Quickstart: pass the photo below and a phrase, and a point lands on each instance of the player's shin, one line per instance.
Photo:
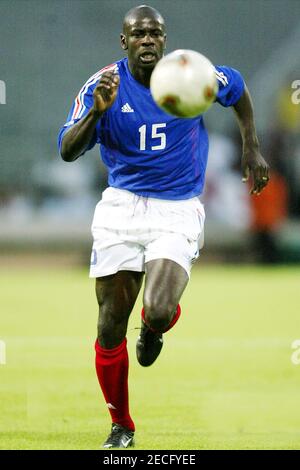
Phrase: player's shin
(112, 372)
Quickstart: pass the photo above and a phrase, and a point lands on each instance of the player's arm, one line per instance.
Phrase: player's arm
(253, 164)
(77, 139)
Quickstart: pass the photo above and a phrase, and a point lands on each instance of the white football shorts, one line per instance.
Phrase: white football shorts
(130, 230)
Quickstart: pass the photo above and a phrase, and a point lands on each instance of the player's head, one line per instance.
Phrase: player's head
(143, 36)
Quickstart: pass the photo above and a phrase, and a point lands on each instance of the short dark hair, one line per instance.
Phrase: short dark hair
(142, 11)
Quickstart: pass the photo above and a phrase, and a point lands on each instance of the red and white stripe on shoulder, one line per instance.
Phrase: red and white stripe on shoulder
(79, 105)
(221, 77)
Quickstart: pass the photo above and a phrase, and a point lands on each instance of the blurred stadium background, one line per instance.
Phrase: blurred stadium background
(48, 50)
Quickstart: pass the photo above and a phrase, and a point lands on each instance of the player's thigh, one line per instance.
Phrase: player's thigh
(165, 281)
(117, 293)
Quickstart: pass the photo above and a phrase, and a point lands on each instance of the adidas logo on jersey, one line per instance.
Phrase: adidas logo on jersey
(127, 108)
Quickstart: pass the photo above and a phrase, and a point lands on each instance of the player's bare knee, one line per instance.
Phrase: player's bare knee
(158, 316)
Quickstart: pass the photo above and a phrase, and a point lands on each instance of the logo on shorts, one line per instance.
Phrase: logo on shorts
(94, 257)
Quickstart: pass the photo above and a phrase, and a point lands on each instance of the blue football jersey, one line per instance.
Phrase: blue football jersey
(145, 150)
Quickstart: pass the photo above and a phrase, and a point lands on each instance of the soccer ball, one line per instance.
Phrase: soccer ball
(184, 83)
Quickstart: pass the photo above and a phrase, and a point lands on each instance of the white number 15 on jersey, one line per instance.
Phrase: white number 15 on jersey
(154, 135)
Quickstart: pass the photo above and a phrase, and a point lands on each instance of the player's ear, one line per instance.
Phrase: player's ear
(165, 41)
(123, 42)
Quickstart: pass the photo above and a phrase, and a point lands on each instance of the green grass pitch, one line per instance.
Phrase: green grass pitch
(224, 379)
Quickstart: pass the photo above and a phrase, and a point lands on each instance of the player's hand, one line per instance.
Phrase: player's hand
(106, 91)
(255, 167)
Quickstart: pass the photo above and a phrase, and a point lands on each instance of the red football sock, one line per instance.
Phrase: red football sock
(112, 372)
(171, 324)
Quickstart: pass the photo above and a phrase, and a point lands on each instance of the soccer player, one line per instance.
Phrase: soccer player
(150, 219)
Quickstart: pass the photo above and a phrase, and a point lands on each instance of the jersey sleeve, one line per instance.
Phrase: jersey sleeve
(81, 106)
(231, 85)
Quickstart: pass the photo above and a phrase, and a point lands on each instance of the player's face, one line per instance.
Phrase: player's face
(145, 40)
